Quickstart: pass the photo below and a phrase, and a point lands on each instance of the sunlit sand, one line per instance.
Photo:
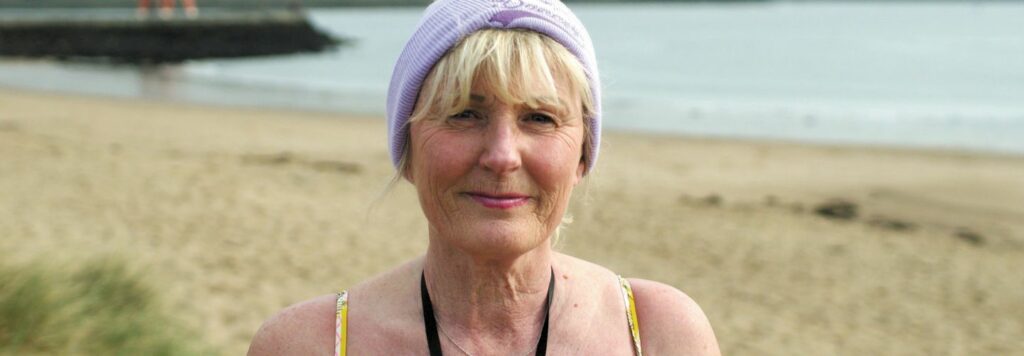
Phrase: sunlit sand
(236, 213)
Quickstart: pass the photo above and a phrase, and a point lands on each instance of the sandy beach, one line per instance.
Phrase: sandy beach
(235, 213)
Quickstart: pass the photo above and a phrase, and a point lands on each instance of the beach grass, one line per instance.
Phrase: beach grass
(100, 307)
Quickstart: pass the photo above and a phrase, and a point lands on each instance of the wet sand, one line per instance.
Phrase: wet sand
(790, 249)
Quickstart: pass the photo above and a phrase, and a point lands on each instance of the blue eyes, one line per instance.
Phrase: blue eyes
(532, 118)
(539, 118)
(466, 114)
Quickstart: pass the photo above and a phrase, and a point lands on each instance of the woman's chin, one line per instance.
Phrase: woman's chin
(504, 239)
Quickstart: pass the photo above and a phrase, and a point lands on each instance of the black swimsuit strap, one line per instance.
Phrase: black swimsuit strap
(430, 322)
(542, 343)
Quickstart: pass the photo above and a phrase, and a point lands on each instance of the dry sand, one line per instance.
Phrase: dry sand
(237, 213)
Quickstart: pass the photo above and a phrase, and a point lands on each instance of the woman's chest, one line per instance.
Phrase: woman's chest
(572, 335)
(591, 333)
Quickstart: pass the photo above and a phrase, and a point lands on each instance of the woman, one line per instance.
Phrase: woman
(494, 117)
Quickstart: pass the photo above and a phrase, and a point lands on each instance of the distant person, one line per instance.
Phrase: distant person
(167, 8)
(494, 116)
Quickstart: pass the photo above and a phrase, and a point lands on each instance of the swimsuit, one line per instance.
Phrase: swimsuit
(341, 319)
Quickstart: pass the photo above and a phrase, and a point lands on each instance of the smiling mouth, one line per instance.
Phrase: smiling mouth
(504, 201)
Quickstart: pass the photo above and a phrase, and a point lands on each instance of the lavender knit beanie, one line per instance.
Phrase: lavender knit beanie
(446, 22)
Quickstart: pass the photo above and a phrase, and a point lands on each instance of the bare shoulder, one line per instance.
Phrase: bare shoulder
(671, 323)
(306, 328)
(381, 311)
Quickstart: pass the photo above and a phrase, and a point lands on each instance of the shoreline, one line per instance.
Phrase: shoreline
(637, 132)
(236, 213)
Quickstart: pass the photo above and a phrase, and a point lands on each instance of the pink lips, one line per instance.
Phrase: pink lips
(499, 201)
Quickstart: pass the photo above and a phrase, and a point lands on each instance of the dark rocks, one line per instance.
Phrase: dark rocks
(712, 200)
(270, 160)
(837, 209)
(969, 236)
(163, 41)
(287, 158)
(891, 224)
(337, 166)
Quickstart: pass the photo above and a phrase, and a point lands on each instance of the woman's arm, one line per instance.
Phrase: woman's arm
(671, 323)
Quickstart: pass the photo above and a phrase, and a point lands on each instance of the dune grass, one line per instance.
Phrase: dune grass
(97, 308)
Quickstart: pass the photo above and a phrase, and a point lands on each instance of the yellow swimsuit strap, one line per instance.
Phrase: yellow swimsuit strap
(341, 324)
(634, 324)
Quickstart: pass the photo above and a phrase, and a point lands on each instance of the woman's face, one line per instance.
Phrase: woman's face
(497, 178)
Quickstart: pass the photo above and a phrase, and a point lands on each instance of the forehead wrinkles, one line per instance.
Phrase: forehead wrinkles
(546, 102)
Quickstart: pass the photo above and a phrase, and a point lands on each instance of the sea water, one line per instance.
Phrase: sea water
(943, 74)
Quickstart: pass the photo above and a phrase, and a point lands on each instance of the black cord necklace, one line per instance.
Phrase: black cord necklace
(430, 323)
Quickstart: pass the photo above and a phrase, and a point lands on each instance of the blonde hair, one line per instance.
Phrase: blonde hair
(510, 63)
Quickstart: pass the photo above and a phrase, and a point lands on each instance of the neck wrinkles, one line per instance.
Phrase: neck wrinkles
(486, 302)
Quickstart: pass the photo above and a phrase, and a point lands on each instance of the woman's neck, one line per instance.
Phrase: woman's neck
(501, 300)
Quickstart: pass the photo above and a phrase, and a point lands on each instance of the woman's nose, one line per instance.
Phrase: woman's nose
(501, 146)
